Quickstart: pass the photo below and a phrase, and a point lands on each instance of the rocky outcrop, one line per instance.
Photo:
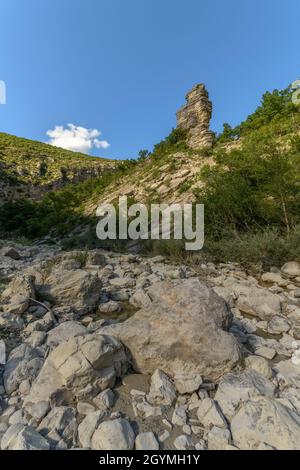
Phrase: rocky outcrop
(195, 117)
(182, 332)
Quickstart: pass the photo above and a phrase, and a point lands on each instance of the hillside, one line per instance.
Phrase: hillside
(30, 168)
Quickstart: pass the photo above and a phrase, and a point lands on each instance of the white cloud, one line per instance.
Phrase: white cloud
(76, 138)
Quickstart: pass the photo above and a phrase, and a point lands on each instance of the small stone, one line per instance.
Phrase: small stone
(17, 418)
(260, 365)
(105, 400)
(179, 417)
(164, 436)
(278, 325)
(110, 307)
(187, 430)
(167, 423)
(203, 394)
(114, 435)
(200, 445)
(187, 383)
(146, 441)
(267, 353)
(24, 387)
(10, 252)
(210, 414)
(197, 429)
(183, 442)
(87, 428)
(218, 438)
(84, 408)
(162, 389)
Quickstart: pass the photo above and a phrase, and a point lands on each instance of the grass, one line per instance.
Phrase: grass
(269, 247)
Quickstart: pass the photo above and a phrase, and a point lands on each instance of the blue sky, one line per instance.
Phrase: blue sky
(124, 66)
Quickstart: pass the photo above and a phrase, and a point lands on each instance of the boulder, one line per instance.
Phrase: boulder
(65, 331)
(60, 420)
(20, 437)
(24, 362)
(274, 278)
(256, 301)
(78, 289)
(114, 435)
(88, 426)
(81, 368)
(183, 332)
(262, 420)
(237, 388)
(17, 296)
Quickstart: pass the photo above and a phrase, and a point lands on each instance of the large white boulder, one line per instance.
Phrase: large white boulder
(184, 331)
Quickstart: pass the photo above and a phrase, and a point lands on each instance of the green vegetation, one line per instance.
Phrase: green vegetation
(58, 212)
(26, 161)
(174, 142)
(276, 107)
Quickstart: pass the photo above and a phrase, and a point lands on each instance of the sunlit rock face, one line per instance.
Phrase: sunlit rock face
(195, 117)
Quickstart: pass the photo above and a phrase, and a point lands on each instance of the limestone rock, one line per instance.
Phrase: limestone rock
(209, 414)
(18, 294)
(23, 363)
(288, 373)
(27, 439)
(62, 420)
(218, 438)
(88, 426)
(105, 400)
(187, 383)
(235, 389)
(260, 365)
(65, 331)
(195, 117)
(80, 367)
(183, 442)
(78, 289)
(146, 441)
(10, 322)
(182, 332)
(262, 420)
(291, 269)
(113, 435)
(257, 301)
(162, 390)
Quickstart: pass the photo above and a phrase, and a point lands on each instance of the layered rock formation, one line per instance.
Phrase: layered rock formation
(195, 117)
